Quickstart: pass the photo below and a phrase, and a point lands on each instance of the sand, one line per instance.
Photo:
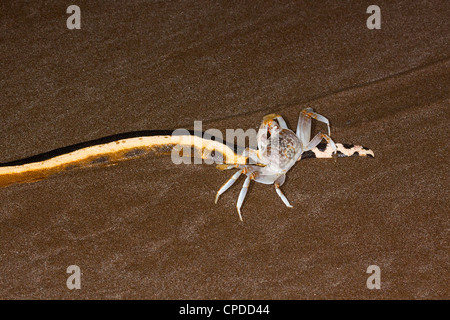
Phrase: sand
(149, 229)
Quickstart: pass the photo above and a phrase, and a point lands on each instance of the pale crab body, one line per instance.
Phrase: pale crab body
(276, 153)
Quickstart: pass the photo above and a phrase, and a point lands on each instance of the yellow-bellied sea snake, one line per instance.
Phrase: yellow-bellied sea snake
(132, 145)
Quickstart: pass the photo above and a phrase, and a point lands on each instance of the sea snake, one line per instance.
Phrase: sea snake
(131, 145)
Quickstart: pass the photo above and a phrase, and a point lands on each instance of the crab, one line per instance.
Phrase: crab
(279, 148)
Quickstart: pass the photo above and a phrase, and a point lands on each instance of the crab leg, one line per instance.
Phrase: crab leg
(317, 139)
(242, 195)
(229, 183)
(282, 196)
(267, 120)
(252, 155)
(281, 122)
(226, 166)
(304, 124)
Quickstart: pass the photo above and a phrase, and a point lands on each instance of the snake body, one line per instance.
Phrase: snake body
(109, 150)
(112, 149)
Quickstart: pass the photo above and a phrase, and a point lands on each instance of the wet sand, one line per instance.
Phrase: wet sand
(149, 229)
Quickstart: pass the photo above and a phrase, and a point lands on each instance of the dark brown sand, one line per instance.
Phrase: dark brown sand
(150, 229)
